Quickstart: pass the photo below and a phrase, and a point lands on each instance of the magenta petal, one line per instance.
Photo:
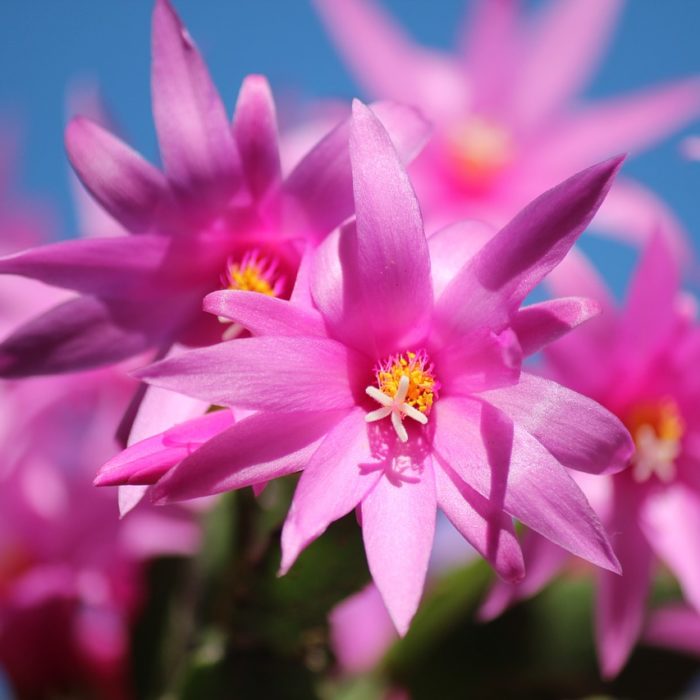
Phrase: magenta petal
(486, 528)
(256, 449)
(265, 315)
(543, 559)
(398, 526)
(515, 472)
(540, 324)
(122, 266)
(674, 627)
(319, 189)
(621, 602)
(79, 334)
(255, 131)
(196, 143)
(126, 185)
(496, 280)
(332, 484)
(266, 373)
(580, 433)
(392, 251)
(671, 524)
(563, 49)
(146, 461)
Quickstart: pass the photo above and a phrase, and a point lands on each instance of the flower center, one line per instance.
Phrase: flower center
(657, 429)
(479, 149)
(406, 387)
(253, 272)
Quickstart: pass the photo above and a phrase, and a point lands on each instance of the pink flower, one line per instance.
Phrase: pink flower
(674, 627)
(219, 214)
(505, 108)
(385, 384)
(641, 363)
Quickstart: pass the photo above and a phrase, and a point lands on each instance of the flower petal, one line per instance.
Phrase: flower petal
(125, 184)
(332, 484)
(491, 286)
(196, 144)
(265, 315)
(515, 472)
(540, 324)
(487, 529)
(580, 433)
(674, 627)
(255, 131)
(398, 525)
(266, 373)
(256, 449)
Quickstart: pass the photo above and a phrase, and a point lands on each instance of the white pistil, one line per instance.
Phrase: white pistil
(395, 407)
(654, 456)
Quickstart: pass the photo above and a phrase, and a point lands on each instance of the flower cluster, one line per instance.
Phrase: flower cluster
(363, 318)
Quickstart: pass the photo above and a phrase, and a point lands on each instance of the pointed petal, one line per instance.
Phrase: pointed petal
(332, 484)
(487, 529)
(79, 334)
(509, 467)
(563, 49)
(496, 280)
(125, 184)
(540, 324)
(265, 315)
(621, 602)
(146, 461)
(671, 522)
(580, 433)
(196, 144)
(255, 131)
(398, 526)
(266, 373)
(392, 251)
(319, 189)
(123, 266)
(256, 449)
(129, 497)
(388, 63)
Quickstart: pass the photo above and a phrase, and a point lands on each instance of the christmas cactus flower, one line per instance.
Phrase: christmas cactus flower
(390, 385)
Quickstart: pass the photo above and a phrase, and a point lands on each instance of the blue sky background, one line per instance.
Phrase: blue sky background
(46, 46)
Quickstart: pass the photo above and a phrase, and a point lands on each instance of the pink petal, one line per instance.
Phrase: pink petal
(563, 49)
(671, 524)
(622, 599)
(265, 315)
(332, 484)
(79, 334)
(578, 432)
(196, 143)
(256, 449)
(543, 559)
(515, 472)
(540, 324)
(398, 525)
(388, 63)
(319, 189)
(126, 185)
(361, 631)
(486, 528)
(146, 461)
(255, 132)
(266, 373)
(674, 627)
(496, 280)
(392, 252)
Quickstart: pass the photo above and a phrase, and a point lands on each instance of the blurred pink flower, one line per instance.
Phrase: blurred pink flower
(641, 363)
(219, 215)
(391, 401)
(674, 627)
(505, 107)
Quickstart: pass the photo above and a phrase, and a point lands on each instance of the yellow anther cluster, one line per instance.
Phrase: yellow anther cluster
(423, 387)
(249, 278)
(662, 416)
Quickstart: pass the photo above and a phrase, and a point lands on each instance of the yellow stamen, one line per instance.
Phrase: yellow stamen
(422, 387)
